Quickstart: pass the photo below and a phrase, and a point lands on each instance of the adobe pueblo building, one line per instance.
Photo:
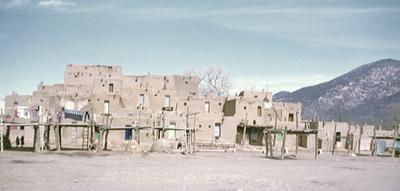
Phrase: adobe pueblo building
(100, 105)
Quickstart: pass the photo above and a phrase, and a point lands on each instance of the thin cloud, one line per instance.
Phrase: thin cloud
(88, 9)
(278, 83)
(14, 3)
(173, 12)
(56, 4)
(342, 27)
(321, 27)
(322, 37)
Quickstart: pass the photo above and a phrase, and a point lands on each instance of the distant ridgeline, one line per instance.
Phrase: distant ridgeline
(369, 93)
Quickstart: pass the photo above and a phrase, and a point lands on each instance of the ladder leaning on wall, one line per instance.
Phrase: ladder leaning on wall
(85, 138)
(1, 135)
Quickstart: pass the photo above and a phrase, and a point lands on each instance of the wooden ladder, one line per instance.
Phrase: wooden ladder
(1, 139)
(85, 139)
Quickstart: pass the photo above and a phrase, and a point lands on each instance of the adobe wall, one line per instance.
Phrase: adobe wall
(90, 86)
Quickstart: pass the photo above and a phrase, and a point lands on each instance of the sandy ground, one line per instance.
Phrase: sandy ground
(73, 170)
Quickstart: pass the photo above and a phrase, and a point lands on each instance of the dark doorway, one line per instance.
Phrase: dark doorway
(128, 134)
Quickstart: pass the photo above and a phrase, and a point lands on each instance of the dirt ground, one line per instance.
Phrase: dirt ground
(73, 170)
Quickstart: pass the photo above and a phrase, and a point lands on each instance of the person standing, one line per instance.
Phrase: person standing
(17, 141)
(22, 141)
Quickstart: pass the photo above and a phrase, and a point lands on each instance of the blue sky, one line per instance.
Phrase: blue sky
(285, 44)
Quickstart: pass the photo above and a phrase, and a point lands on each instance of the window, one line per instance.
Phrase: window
(291, 117)
(128, 134)
(259, 111)
(267, 104)
(207, 107)
(217, 130)
(167, 101)
(338, 136)
(141, 99)
(111, 88)
(106, 106)
(253, 135)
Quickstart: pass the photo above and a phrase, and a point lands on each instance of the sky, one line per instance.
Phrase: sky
(271, 45)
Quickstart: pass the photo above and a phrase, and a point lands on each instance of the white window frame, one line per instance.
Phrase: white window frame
(207, 107)
(219, 126)
(167, 101)
(141, 99)
(106, 106)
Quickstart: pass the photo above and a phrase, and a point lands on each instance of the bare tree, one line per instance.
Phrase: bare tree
(213, 81)
(192, 71)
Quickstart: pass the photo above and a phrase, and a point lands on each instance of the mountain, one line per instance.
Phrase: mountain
(369, 93)
(281, 94)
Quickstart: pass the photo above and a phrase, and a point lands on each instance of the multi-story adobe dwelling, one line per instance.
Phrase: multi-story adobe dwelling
(250, 112)
(169, 101)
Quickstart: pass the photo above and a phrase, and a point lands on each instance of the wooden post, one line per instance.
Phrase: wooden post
(108, 123)
(163, 125)
(188, 141)
(105, 140)
(57, 136)
(34, 138)
(397, 133)
(194, 128)
(271, 146)
(373, 145)
(194, 141)
(244, 130)
(100, 149)
(276, 123)
(334, 140)
(394, 140)
(192, 134)
(266, 144)
(186, 130)
(92, 132)
(138, 135)
(37, 139)
(1, 135)
(191, 141)
(283, 143)
(297, 145)
(352, 143)
(47, 137)
(359, 139)
(349, 142)
(316, 146)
